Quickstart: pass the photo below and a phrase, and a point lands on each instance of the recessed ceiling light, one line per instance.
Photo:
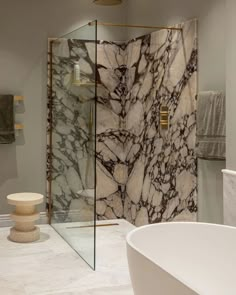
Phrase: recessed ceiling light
(107, 2)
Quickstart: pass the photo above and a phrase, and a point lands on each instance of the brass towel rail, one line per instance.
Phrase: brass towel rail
(18, 98)
(19, 126)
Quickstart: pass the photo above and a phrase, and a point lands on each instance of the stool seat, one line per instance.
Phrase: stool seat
(24, 216)
(25, 199)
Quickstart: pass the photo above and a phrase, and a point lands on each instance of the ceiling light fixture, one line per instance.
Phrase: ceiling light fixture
(107, 2)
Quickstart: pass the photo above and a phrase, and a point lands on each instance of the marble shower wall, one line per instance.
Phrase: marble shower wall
(146, 174)
(73, 131)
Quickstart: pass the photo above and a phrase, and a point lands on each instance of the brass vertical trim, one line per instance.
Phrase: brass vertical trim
(95, 144)
(50, 104)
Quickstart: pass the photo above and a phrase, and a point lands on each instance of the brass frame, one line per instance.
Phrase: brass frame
(135, 26)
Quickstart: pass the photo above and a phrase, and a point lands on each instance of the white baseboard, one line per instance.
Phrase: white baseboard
(73, 216)
(5, 219)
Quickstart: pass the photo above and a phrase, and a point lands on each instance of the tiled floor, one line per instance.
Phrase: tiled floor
(51, 267)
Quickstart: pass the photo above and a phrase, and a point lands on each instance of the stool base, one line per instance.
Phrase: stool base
(24, 237)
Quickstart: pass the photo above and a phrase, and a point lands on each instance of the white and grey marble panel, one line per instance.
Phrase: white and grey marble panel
(144, 174)
(73, 130)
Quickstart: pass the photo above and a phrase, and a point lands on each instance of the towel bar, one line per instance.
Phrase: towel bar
(18, 98)
(19, 126)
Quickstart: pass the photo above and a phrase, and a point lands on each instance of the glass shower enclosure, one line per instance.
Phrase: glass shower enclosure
(71, 138)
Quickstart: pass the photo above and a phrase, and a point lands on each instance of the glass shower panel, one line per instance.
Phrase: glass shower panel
(72, 139)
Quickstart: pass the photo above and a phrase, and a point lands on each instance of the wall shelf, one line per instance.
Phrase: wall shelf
(86, 84)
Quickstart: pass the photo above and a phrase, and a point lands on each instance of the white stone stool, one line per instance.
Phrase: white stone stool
(25, 216)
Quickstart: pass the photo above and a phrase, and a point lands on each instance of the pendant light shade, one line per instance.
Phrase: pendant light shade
(107, 2)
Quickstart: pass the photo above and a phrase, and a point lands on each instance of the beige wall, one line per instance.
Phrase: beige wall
(25, 26)
(211, 17)
(231, 83)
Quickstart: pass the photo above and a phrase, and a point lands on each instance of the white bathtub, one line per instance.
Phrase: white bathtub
(182, 259)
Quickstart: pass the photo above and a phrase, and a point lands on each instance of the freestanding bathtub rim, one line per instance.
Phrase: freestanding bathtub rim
(172, 273)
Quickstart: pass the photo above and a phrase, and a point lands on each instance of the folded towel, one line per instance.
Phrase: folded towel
(7, 130)
(211, 125)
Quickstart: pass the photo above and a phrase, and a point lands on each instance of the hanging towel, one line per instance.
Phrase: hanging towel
(7, 130)
(211, 125)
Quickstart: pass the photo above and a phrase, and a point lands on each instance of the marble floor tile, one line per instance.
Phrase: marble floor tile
(51, 267)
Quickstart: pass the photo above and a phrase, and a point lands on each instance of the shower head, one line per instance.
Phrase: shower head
(107, 2)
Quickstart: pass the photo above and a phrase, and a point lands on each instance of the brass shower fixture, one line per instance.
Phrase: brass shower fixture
(164, 117)
(107, 2)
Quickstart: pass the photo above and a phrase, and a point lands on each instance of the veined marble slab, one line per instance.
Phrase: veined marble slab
(144, 173)
(73, 129)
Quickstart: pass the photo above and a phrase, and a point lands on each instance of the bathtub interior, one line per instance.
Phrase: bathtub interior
(201, 256)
